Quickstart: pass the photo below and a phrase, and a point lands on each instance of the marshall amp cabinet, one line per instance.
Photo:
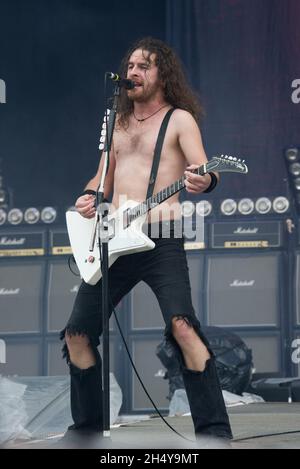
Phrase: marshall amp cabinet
(244, 293)
(21, 295)
(22, 243)
(243, 290)
(247, 235)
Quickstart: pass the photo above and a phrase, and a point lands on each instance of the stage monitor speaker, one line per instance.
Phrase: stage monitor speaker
(266, 351)
(243, 290)
(143, 351)
(23, 358)
(144, 307)
(21, 295)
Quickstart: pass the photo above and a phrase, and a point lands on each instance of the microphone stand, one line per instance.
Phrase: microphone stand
(104, 234)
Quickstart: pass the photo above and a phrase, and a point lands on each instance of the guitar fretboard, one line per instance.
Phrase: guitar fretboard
(160, 197)
(220, 164)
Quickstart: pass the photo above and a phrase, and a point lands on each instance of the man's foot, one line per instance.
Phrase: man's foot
(79, 438)
(212, 442)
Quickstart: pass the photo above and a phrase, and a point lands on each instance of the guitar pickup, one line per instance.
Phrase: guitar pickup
(126, 218)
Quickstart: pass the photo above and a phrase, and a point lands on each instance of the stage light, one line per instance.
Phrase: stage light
(295, 169)
(292, 154)
(31, 215)
(204, 208)
(15, 216)
(246, 206)
(3, 216)
(2, 197)
(187, 208)
(263, 205)
(297, 184)
(281, 205)
(228, 207)
(48, 215)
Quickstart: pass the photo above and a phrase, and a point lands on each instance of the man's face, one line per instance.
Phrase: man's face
(143, 71)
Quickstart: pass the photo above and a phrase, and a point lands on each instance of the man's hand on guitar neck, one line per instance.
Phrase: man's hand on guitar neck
(85, 205)
(194, 183)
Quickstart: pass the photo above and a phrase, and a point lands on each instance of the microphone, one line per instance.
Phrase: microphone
(124, 82)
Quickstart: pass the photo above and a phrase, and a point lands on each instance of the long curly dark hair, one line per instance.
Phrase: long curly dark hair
(177, 92)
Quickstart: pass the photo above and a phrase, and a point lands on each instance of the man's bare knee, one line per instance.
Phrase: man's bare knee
(80, 350)
(77, 342)
(182, 330)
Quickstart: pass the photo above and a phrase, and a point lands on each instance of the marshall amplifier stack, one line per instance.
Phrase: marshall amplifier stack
(245, 287)
(22, 281)
(238, 277)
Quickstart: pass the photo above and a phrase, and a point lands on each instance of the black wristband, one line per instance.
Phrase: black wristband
(214, 182)
(88, 192)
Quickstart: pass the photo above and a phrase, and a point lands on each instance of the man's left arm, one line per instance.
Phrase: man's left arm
(191, 144)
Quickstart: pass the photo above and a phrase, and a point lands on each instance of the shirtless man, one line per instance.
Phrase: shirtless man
(159, 87)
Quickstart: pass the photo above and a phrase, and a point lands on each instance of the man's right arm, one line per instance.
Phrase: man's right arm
(85, 204)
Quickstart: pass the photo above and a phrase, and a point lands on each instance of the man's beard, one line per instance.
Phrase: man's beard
(146, 96)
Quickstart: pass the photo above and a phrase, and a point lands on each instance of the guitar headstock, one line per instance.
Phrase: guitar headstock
(103, 131)
(226, 163)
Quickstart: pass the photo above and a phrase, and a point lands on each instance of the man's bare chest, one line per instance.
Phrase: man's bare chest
(140, 142)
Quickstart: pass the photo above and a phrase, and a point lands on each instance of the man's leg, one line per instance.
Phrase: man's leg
(81, 336)
(86, 383)
(166, 272)
(201, 381)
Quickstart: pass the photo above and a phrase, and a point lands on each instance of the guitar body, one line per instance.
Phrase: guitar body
(125, 240)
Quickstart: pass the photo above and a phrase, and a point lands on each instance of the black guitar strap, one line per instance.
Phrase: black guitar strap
(157, 152)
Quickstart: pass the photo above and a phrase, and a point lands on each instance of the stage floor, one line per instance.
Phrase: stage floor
(255, 426)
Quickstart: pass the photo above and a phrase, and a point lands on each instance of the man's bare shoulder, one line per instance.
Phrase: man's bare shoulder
(183, 119)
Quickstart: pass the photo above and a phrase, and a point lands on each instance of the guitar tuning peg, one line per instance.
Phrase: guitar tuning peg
(101, 146)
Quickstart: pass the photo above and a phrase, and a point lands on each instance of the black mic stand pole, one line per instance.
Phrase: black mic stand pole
(104, 234)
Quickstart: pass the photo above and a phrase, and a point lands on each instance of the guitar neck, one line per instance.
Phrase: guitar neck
(162, 196)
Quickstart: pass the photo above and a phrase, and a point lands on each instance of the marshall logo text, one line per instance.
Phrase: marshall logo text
(5, 241)
(243, 283)
(9, 291)
(246, 231)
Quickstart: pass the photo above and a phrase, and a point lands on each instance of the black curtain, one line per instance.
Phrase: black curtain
(242, 57)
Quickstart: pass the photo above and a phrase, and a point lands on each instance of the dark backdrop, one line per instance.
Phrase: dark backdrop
(53, 55)
(240, 55)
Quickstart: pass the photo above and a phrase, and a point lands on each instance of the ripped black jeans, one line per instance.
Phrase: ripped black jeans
(165, 270)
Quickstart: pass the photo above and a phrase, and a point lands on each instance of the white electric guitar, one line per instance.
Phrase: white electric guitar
(125, 224)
